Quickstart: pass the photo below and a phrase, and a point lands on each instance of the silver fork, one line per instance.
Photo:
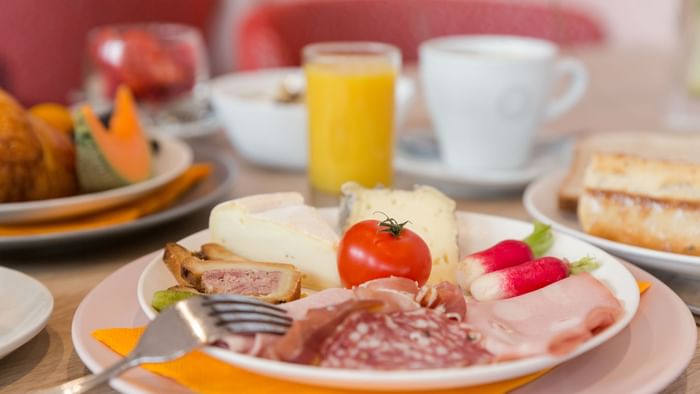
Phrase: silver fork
(185, 326)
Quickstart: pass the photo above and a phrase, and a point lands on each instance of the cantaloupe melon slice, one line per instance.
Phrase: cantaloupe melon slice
(120, 156)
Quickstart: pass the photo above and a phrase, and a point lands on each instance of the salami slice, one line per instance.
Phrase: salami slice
(417, 339)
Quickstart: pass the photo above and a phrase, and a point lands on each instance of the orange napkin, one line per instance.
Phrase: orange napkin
(151, 203)
(643, 286)
(207, 375)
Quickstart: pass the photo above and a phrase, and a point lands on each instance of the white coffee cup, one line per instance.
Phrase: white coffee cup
(487, 96)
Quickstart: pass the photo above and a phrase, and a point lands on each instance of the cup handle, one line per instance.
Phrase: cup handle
(577, 87)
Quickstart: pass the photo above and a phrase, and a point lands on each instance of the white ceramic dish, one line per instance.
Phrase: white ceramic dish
(476, 232)
(209, 191)
(540, 200)
(662, 327)
(172, 159)
(271, 133)
(25, 308)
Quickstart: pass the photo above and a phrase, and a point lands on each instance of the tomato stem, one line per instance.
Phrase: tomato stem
(391, 225)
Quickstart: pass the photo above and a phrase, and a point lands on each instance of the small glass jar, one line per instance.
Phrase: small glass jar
(164, 64)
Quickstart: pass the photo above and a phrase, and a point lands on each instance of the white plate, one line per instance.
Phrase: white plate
(205, 193)
(172, 159)
(662, 327)
(540, 200)
(417, 156)
(25, 308)
(476, 232)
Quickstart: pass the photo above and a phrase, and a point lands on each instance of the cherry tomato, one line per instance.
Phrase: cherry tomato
(372, 249)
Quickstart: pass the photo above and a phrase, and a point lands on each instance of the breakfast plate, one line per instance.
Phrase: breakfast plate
(540, 200)
(171, 159)
(417, 157)
(476, 232)
(203, 194)
(622, 364)
(25, 308)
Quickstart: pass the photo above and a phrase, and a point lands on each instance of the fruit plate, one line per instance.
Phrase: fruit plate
(171, 159)
(540, 200)
(204, 194)
(476, 232)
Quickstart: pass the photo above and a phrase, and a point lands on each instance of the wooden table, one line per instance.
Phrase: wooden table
(627, 90)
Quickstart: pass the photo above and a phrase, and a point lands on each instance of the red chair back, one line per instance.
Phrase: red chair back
(41, 42)
(272, 35)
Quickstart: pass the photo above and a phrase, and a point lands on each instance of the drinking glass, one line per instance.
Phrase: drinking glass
(164, 65)
(350, 104)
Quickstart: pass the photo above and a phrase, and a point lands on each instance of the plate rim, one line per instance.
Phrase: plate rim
(129, 384)
(129, 192)
(616, 247)
(530, 364)
(36, 325)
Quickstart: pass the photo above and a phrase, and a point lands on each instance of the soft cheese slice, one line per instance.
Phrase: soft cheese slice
(430, 213)
(280, 228)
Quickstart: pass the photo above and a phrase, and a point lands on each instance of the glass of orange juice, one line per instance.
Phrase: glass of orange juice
(350, 106)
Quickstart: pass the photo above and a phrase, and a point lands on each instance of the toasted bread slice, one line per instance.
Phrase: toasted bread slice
(646, 202)
(270, 282)
(652, 145)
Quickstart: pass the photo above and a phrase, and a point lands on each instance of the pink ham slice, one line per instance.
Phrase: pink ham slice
(555, 319)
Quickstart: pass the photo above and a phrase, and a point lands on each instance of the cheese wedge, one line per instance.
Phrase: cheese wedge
(280, 228)
(429, 213)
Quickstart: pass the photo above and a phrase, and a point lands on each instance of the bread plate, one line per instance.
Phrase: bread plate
(476, 231)
(540, 200)
(171, 159)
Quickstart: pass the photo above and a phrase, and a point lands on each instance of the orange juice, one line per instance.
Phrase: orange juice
(351, 123)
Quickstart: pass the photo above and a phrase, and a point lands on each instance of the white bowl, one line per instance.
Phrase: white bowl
(271, 133)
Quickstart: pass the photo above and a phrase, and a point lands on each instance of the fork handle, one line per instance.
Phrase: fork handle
(86, 383)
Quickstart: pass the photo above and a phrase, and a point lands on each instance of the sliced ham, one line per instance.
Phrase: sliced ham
(555, 319)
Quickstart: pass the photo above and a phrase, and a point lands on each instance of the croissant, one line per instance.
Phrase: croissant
(36, 161)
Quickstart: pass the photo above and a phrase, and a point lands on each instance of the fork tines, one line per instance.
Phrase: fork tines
(241, 314)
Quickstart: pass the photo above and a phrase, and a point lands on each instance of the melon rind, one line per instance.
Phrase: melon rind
(94, 171)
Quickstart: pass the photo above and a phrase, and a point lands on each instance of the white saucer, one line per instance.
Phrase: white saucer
(417, 156)
(540, 201)
(24, 310)
(171, 159)
(644, 358)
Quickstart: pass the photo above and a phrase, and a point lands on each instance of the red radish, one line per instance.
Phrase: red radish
(504, 254)
(527, 277)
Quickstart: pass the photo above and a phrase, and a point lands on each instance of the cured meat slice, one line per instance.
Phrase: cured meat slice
(555, 319)
(418, 339)
(451, 298)
(301, 344)
(400, 285)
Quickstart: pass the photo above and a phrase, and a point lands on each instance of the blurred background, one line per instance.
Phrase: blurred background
(41, 52)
